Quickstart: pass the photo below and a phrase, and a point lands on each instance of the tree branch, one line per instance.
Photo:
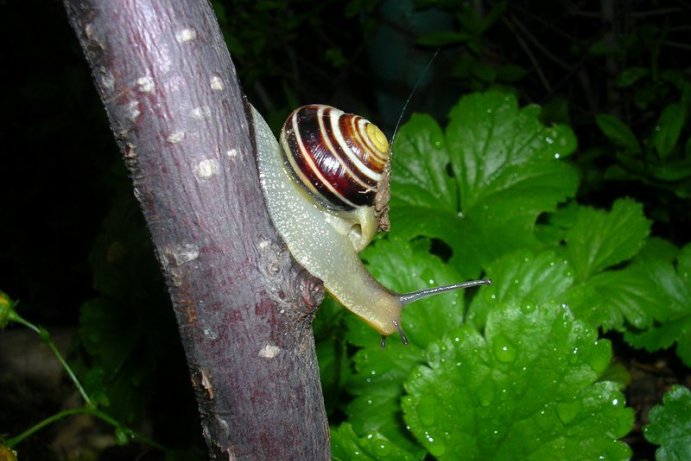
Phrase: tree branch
(243, 307)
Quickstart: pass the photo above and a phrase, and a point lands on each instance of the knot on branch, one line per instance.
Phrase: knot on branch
(310, 290)
(296, 291)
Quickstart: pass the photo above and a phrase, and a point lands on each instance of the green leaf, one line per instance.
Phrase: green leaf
(617, 132)
(504, 163)
(676, 290)
(529, 389)
(668, 129)
(670, 426)
(599, 240)
(637, 295)
(631, 75)
(658, 248)
(676, 330)
(378, 381)
(420, 167)
(346, 446)
(684, 264)
(6, 309)
(496, 11)
(522, 279)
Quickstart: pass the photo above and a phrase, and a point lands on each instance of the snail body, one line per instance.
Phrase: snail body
(319, 185)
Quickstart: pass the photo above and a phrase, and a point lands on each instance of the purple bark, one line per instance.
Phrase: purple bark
(244, 309)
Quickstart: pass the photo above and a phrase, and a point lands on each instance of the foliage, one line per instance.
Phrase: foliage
(90, 406)
(670, 426)
(516, 368)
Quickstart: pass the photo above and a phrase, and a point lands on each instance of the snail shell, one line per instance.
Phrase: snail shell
(338, 158)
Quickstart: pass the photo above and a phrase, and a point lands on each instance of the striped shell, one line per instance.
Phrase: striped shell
(338, 158)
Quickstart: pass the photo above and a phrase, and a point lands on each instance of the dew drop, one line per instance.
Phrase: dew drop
(544, 420)
(504, 351)
(383, 450)
(435, 446)
(527, 308)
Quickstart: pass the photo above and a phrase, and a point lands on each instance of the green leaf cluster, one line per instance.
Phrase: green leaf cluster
(515, 370)
(670, 426)
(660, 157)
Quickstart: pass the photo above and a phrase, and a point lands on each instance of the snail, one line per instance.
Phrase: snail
(319, 185)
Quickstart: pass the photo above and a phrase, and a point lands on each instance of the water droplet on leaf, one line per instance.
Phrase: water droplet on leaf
(504, 351)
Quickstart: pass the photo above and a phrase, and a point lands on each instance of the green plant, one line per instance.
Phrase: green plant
(670, 427)
(9, 314)
(518, 370)
(658, 158)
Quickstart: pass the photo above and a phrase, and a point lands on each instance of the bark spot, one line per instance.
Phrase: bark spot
(232, 153)
(269, 351)
(209, 333)
(145, 84)
(216, 83)
(200, 113)
(177, 255)
(206, 168)
(133, 110)
(175, 137)
(186, 35)
(107, 79)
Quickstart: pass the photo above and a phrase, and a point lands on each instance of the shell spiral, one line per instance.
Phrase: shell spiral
(336, 157)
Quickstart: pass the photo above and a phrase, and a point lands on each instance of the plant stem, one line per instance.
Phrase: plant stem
(89, 407)
(85, 410)
(37, 427)
(45, 336)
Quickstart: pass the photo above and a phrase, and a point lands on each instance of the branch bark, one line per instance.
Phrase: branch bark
(244, 309)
